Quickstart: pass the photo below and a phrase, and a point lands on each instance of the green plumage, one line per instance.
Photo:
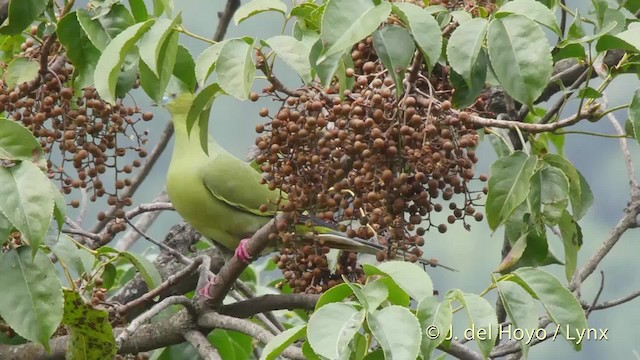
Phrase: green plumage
(220, 195)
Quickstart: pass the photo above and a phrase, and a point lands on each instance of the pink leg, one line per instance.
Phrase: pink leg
(241, 252)
(204, 290)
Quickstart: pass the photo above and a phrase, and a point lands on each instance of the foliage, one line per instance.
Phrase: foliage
(424, 66)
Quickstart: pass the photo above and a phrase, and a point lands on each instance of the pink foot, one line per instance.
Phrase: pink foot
(204, 290)
(242, 253)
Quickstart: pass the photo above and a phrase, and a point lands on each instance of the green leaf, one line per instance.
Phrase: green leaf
(328, 67)
(31, 297)
(17, 143)
(146, 268)
(346, 22)
(520, 56)
(235, 68)
(231, 344)
(21, 14)
(371, 295)
(90, 332)
(254, 7)
(395, 48)
(109, 275)
(113, 57)
(201, 103)
(397, 331)
(397, 295)
(27, 200)
(21, 70)
(335, 294)
(634, 114)
(68, 253)
(508, 186)
(152, 42)
(626, 40)
(514, 254)
(424, 28)
(105, 28)
(410, 277)
(5, 228)
(435, 321)
(183, 69)
(294, 53)
(206, 62)
(482, 319)
(139, 10)
(464, 50)
(155, 87)
(563, 308)
(589, 93)
(533, 10)
(522, 311)
(332, 327)
(572, 240)
(80, 49)
(281, 341)
(162, 6)
(579, 191)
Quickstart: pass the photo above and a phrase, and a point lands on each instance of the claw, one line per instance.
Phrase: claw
(204, 290)
(242, 253)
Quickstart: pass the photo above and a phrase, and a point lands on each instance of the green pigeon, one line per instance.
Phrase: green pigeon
(220, 195)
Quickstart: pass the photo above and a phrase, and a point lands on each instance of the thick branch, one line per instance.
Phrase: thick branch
(248, 308)
(224, 18)
(201, 343)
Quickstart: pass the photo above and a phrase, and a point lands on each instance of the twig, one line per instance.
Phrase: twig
(595, 299)
(84, 202)
(558, 105)
(183, 259)
(248, 294)
(140, 209)
(271, 302)
(155, 310)
(268, 323)
(202, 344)
(224, 18)
(215, 320)
(141, 175)
(612, 303)
(633, 182)
(171, 280)
(143, 223)
(278, 86)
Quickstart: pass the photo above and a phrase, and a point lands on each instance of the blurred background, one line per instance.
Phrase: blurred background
(475, 253)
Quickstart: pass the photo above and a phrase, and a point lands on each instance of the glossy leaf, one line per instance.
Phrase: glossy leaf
(235, 68)
(435, 322)
(17, 143)
(201, 102)
(346, 22)
(514, 254)
(571, 234)
(563, 308)
(152, 42)
(139, 10)
(464, 49)
(395, 48)
(521, 309)
(27, 200)
(90, 332)
(21, 14)
(482, 319)
(80, 49)
(146, 268)
(328, 67)
(294, 53)
(254, 7)
(281, 341)
(410, 277)
(68, 253)
(103, 29)
(532, 9)
(508, 186)
(520, 56)
(397, 331)
(580, 193)
(31, 297)
(21, 70)
(424, 28)
(184, 69)
(331, 328)
(334, 294)
(634, 114)
(206, 62)
(397, 295)
(113, 57)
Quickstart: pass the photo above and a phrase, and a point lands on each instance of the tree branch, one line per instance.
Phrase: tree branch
(271, 302)
(201, 343)
(224, 18)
